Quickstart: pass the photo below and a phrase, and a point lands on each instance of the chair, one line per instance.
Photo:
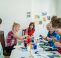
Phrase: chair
(23, 32)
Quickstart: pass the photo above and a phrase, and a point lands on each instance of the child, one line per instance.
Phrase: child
(30, 31)
(12, 37)
(57, 25)
(52, 35)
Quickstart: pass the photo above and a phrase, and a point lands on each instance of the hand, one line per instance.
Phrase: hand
(29, 36)
(48, 39)
(54, 38)
(43, 36)
(58, 44)
(36, 40)
(25, 35)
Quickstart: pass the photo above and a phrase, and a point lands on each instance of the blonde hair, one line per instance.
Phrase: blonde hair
(15, 24)
(49, 25)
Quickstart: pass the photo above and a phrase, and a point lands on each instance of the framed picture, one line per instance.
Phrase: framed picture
(36, 16)
(28, 14)
(44, 13)
(40, 22)
(44, 19)
(48, 17)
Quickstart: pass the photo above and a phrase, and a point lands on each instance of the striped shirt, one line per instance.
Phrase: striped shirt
(11, 40)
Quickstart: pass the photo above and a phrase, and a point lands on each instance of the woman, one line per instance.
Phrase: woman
(57, 25)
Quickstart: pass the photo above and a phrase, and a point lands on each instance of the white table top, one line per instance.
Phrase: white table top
(19, 53)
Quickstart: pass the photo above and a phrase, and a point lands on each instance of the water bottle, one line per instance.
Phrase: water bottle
(34, 46)
(25, 43)
(32, 40)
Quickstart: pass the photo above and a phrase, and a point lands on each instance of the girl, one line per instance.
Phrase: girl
(30, 30)
(12, 37)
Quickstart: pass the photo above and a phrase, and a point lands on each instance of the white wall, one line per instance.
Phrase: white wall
(58, 8)
(15, 10)
(39, 6)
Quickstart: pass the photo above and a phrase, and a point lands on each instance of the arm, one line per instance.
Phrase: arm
(56, 38)
(58, 44)
(20, 37)
(48, 38)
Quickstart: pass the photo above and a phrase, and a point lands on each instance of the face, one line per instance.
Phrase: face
(58, 30)
(17, 28)
(31, 26)
(50, 29)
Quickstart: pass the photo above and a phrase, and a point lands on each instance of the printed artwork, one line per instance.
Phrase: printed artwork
(48, 17)
(28, 14)
(44, 18)
(40, 22)
(36, 16)
(44, 13)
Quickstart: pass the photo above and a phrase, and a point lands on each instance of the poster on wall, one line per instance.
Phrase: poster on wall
(28, 14)
(36, 16)
(44, 19)
(44, 13)
(40, 22)
(48, 17)
(36, 22)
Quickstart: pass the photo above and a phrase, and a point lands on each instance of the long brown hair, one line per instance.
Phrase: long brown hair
(32, 23)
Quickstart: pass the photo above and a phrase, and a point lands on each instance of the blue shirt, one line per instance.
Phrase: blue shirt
(54, 34)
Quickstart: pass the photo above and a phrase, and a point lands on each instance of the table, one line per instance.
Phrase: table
(41, 53)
